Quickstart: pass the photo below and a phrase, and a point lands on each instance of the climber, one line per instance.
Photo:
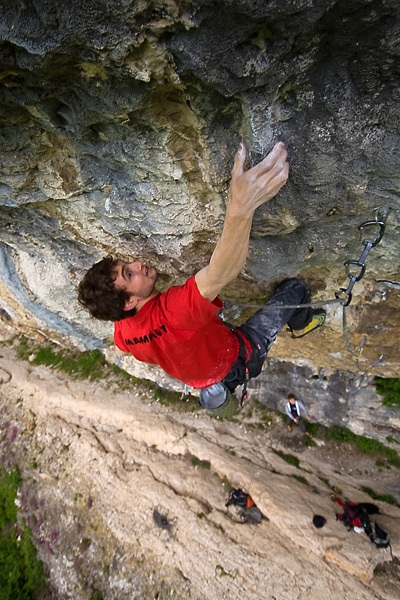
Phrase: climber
(179, 329)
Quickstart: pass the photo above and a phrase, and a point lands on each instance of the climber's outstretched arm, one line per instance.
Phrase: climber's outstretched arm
(248, 190)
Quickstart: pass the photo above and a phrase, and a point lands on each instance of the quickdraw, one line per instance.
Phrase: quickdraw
(380, 221)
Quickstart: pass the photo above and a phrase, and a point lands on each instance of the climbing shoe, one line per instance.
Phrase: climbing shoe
(318, 319)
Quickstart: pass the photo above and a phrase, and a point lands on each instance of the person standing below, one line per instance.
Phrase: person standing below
(180, 329)
(295, 411)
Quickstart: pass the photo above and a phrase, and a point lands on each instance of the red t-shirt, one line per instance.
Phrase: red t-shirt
(179, 331)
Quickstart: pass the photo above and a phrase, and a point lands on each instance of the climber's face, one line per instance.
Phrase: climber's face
(137, 279)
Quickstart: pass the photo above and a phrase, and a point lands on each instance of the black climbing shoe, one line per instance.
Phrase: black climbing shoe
(318, 319)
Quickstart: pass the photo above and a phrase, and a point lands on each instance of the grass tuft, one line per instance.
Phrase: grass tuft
(301, 479)
(388, 498)
(92, 366)
(389, 388)
(289, 458)
(366, 445)
(21, 574)
(204, 464)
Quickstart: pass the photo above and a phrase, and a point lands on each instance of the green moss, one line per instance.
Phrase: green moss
(92, 366)
(379, 571)
(221, 572)
(80, 365)
(312, 428)
(366, 445)
(289, 458)
(308, 441)
(196, 462)
(282, 416)
(266, 413)
(224, 480)
(392, 440)
(301, 479)
(181, 403)
(389, 388)
(21, 573)
(89, 365)
(340, 434)
(388, 498)
(324, 480)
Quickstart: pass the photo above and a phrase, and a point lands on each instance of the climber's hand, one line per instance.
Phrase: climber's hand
(249, 189)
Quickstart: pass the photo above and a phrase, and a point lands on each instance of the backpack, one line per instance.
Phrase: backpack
(352, 516)
(378, 536)
(368, 507)
(249, 513)
(240, 497)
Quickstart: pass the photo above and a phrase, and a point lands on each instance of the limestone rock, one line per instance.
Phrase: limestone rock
(127, 498)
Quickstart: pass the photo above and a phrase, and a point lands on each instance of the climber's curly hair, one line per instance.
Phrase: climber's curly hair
(97, 293)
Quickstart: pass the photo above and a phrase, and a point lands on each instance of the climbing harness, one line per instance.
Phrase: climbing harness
(345, 295)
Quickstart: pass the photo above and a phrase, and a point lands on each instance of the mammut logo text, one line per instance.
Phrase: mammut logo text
(145, 339)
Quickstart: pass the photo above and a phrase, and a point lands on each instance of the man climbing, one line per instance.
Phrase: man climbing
(179, 329)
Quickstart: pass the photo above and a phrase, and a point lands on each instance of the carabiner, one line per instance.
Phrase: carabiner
(349, 296)
(382, 226)
(358, 264)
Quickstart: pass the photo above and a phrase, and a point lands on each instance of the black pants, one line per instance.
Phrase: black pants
(262, 328)
(300, 423)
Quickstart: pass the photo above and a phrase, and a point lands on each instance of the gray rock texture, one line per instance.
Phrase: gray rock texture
(119, 123)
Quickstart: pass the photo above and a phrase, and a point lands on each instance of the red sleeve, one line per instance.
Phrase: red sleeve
(118, 339)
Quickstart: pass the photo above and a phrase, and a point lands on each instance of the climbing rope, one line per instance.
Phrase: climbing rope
(345, 295)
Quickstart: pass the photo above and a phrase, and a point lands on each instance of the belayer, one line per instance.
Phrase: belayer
(295, 413)
(179, 329)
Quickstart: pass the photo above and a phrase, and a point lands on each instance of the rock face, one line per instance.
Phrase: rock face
(119, 125)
